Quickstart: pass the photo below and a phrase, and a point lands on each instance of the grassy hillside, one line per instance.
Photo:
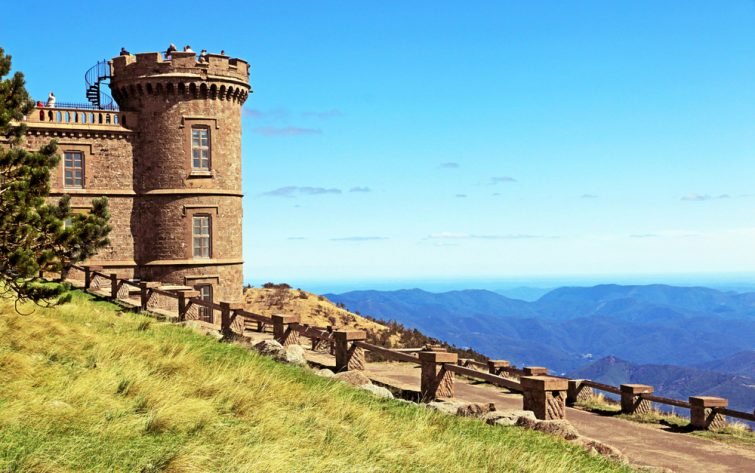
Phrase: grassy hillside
(85, 387)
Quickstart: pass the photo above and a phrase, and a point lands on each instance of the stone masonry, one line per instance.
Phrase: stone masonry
(140, 157)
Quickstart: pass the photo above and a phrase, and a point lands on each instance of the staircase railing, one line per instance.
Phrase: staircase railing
(94, 79)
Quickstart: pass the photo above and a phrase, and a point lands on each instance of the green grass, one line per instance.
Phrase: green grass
(599, 404)
(659, 417)
(87, 388)
(736, 433)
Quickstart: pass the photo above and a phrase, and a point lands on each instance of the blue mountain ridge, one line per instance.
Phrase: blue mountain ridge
(570, 326)
(688, 338)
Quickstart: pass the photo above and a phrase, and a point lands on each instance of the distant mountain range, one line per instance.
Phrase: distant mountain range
(742, 363)
(569, 327)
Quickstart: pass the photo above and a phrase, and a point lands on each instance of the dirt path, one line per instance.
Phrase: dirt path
(645, 445)
(642, 444)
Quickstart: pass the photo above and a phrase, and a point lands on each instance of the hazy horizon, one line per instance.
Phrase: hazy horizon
(739, 282)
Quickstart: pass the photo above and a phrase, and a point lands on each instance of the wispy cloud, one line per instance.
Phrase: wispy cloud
(701, 197)
(461, 196)
(279, 113)
(332, 113)
(359, 238)
(472, 236)
(645, 235)
(502, 179)
(588, 196)
(450, 165)
(293, 191)
(360, 189)
(285, 131)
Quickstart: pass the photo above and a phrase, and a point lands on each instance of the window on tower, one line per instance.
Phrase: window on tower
(201, 237)
(200, 148)
(73, 169)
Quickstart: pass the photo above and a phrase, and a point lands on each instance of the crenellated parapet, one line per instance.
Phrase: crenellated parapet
(184, 76)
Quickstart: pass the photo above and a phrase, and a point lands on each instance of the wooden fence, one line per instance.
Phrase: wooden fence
(546, 395)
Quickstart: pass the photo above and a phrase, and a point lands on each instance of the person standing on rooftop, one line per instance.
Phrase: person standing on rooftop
(169, 52)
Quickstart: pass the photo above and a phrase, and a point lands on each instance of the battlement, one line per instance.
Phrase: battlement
(154, 64)
(150, 74)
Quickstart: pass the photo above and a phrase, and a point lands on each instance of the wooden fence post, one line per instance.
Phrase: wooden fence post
(436, 381)
(113, 286)
(577, 391)
(703, 413)
(225, 318)
(285, 329)
(143, 295)
(88, 270)
(331, 343)
(349, 356)
(183, 307)
(631, 400)
(545, 396)
(145, 292)
(496, 366)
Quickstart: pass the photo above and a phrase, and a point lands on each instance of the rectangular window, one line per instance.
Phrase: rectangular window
(205, 294)
(201, 236)
(73, 169)
(200, 148)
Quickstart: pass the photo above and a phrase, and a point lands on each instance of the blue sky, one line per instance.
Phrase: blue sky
(408, 140)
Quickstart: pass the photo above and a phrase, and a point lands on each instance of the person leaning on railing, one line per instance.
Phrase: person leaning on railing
(51, 100)
(169, 52)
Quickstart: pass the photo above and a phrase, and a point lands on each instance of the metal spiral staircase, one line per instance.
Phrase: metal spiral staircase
(97, 76)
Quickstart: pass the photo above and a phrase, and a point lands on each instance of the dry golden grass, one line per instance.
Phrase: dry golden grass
(313, 309)
(85, 388)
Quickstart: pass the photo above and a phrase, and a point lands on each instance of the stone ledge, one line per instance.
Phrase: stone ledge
(438, 357)
(543, 383)
(635, 389)
(708, 401)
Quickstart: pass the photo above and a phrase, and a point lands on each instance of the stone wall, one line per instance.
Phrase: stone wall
(108, 171)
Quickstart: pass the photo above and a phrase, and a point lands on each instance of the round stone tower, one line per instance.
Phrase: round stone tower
(187, 213)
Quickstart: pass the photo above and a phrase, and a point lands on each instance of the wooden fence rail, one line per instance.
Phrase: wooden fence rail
(750, 416)
(602, 387)
(465, 367)
(499, 381)
(387, 352)
(317, 333)
(666, 400)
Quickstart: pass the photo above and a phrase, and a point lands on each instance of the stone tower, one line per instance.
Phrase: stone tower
(186, 119)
